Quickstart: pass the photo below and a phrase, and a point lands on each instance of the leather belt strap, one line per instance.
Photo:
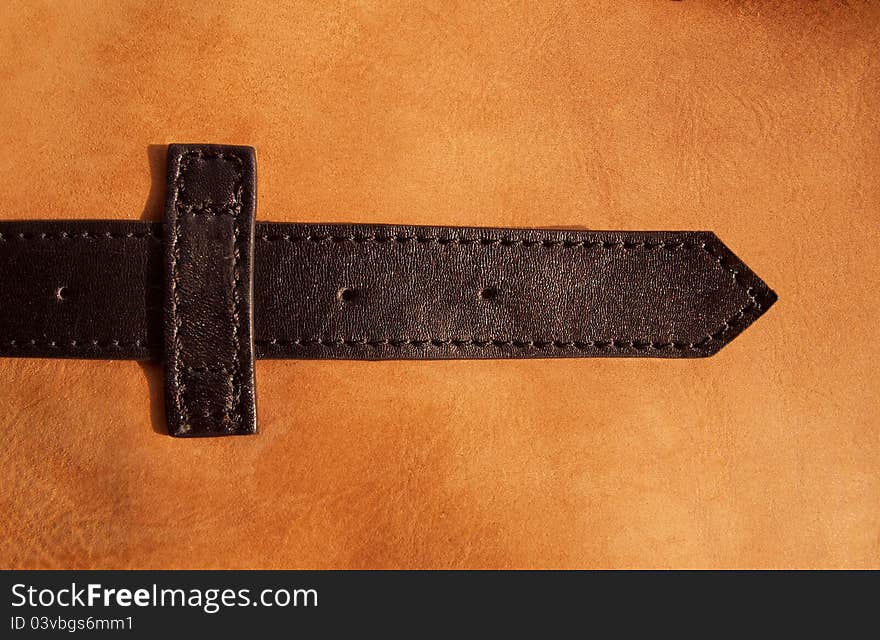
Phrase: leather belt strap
(184, 291)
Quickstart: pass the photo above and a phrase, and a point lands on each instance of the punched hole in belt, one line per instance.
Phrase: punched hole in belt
(347, 294)
(489, 293)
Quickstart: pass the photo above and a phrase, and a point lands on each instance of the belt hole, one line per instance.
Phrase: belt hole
(489, 293)
(62, 293)
(347, 295)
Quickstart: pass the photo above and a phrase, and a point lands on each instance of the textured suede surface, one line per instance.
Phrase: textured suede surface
(756, 120)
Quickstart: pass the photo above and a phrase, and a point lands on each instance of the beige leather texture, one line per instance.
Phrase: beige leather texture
(756, 120)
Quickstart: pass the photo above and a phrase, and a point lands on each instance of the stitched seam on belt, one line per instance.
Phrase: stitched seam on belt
(82, 235)
(482, 240)
(477, 342)
(180, 388)
(81, 343)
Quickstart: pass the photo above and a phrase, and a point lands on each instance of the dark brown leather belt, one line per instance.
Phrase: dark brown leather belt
(209, 291)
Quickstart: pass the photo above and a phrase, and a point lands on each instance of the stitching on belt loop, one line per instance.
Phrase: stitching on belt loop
(233, 210)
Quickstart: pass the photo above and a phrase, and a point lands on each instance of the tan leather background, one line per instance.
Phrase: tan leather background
(757, 120)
